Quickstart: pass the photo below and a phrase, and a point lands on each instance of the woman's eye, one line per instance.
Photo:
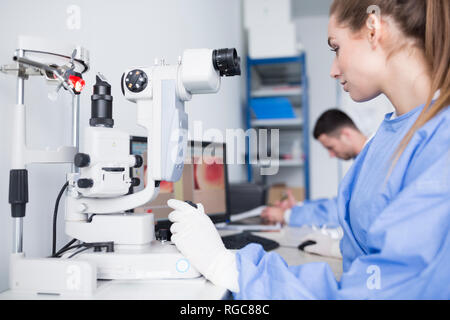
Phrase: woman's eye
(336, 50)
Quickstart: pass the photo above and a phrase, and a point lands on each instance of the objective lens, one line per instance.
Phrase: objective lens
(101, 104)
(227, 62)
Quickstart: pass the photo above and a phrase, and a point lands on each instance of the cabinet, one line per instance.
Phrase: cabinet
(277, 99)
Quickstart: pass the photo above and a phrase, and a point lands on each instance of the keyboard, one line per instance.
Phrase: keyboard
(240, 240)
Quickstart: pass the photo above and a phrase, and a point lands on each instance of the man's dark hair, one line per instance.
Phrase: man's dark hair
(331, 121)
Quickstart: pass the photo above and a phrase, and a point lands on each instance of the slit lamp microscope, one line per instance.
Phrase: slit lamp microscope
(97, 200)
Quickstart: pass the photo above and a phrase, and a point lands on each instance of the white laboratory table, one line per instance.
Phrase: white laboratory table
(192, 289)
(289, 240)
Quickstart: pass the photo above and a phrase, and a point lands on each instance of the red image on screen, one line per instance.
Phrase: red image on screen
(209, 175)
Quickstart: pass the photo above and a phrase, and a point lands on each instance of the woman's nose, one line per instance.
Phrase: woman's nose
(335, 72)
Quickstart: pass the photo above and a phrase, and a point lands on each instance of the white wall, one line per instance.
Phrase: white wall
(119, 34)
(312, 33)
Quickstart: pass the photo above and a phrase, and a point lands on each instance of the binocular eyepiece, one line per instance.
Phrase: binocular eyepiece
(227, 62)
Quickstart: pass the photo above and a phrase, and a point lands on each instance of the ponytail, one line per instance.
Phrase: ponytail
(437, 53)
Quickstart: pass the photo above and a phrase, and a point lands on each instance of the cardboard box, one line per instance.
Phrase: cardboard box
(278, 191)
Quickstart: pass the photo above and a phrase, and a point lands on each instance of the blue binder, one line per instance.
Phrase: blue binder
(272, 108)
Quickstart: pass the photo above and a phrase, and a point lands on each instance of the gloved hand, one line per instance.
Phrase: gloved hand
(197, 238)
(326, 244)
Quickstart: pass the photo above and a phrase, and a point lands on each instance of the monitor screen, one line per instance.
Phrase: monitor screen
(204, 180)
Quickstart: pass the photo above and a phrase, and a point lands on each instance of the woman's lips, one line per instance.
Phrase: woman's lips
(344, 84)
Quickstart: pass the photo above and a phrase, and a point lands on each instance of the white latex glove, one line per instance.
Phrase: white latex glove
(198, 240)
(325, 244)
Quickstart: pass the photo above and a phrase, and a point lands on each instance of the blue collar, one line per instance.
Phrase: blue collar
(398, 122)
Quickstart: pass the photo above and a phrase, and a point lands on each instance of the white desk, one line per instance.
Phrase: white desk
(193, 289)
(289, 240)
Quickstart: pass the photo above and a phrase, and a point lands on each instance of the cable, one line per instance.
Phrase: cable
(60, 252)
(79, 251)
(63, 248)
(108, 245)
(55, 215)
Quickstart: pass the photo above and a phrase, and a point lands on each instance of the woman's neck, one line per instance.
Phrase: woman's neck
(407, 83)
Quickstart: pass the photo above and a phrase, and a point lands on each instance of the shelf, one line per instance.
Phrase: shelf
(272, 83)
(277, 91)
(297, 59)
(277, 123)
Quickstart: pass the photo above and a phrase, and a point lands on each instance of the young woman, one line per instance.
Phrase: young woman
(394, 203)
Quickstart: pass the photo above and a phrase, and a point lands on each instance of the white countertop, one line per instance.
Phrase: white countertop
(192, 289)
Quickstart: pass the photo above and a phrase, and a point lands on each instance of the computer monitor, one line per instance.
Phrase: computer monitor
(204, 180)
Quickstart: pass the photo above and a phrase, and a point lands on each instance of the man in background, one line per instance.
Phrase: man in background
(337, 132)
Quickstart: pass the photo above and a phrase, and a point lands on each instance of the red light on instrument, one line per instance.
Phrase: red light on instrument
(77, 82)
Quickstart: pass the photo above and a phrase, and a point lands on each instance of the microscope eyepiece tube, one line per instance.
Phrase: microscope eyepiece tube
(202, 68)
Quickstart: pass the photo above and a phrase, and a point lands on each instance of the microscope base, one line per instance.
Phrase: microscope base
(51, 276)
(155, 261)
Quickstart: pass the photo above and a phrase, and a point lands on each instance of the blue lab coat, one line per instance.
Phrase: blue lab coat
(315, 212)
(396, 242)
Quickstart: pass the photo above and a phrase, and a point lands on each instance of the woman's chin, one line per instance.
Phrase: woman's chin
(359, 97)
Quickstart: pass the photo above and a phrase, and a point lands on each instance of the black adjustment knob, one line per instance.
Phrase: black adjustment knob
(139, 161)
(85, 183)
(82, 160)
(163, 234)
(136, 80)
(135, 182)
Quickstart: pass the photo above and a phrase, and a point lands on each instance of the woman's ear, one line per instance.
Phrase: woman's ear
(373, 24)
